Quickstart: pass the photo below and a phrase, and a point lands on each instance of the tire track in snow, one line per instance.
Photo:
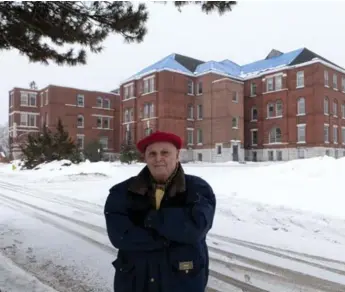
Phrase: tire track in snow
(37, 213)
(72, 204)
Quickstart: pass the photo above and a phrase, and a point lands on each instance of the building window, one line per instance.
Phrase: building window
(80, 100)
(300, 79)
(300, 153)
(28, 120)
(80, 121)
(275, 136)
(278, 82)
(199, 137)
(343, 110)
(326, 133)
(343, 135)
(254, 137)
(104, 142)
(279, 155)
(234, 123)
(279, 108)
(99, 122)
(270, 110)
(24, 99)
(199, 88)
(149, 84)
(335, 134)
(219, 149)
(254, 113)
(99, 101)
(335, 81)
(335, 108)
(190, 87)
(11, 99)
(252, 89)
(301, 133)
(106, 123)
(129, 115)
(190, 136)
(128, 91)
(269, 84)
(343, 84)
(199, 156)
(149, 109)
(235, 96)
(32, 99)
(326, 78)
(80, 141)
(326, 106)
(270, 155)
(200, 112)
(148, 131)
(254, 156)
(190, 111)
(301, 106)
(106, 103)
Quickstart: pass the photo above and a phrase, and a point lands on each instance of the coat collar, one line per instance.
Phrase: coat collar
(143, 182)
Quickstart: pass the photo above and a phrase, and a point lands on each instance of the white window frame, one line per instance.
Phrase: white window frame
(326, 133)
(80, 100)
(335, 81)
(24, 99)
(80, 125)
(149, 110)
(301, 106)
(190, 87)
(278, 80)
(252, 137)
(99, 102)
(273, 138)
(335, 134)
(199, 136)
(343, 110)
(300, 79)
(106, 103)
(269, 84)
(25, 120)
(190, 111)
(199, 112)
(190, 136)
(199, 88)
(326, 78)
(279, 113)
(252, 87)
(268, 110)
(254, 108)
(82, 138)
(326, 106)
(149, 84)
(343, 135)
(335, 108)
(236, 120)
(102, 140)
(301, 133)
(343, 84)
(235, 97)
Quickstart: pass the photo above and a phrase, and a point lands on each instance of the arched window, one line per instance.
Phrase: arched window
(80, 121)
(301, 106)
(275, 135)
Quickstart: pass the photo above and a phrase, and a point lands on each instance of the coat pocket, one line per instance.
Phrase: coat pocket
(124, 276)
(188, 272)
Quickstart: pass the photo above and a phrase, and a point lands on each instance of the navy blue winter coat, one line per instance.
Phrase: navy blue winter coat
(160, 250)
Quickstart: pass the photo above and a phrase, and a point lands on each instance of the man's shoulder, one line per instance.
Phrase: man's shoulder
(122, 186)
(196, 181)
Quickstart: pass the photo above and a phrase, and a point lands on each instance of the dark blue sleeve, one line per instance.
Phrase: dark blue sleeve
(122, 233)
(187, 224)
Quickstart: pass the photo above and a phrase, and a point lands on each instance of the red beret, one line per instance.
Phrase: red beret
(159, 137)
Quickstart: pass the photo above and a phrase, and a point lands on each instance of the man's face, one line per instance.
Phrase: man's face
(161, 159)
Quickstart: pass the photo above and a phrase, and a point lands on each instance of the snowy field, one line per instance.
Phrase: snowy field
(278, 226)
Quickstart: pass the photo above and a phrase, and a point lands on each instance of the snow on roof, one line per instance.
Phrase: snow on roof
(225, 67)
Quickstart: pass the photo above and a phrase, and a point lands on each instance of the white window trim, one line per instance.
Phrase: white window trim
(305, 133)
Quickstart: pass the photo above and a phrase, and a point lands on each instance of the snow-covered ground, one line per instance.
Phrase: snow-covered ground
(278, 226)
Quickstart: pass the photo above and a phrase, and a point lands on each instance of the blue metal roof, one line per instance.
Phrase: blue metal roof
(226, 67)
(262, 65)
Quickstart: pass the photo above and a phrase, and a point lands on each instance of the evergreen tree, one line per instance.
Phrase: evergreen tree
(129, 152)
(48, 146)
(94, 151)
(27, 25)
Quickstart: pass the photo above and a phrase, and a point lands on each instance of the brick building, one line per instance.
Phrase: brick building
(286, 106)
(87, 115)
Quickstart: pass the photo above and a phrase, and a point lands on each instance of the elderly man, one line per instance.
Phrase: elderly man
(158, 221)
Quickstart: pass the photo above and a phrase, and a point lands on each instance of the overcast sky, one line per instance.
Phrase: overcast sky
(244, 35)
